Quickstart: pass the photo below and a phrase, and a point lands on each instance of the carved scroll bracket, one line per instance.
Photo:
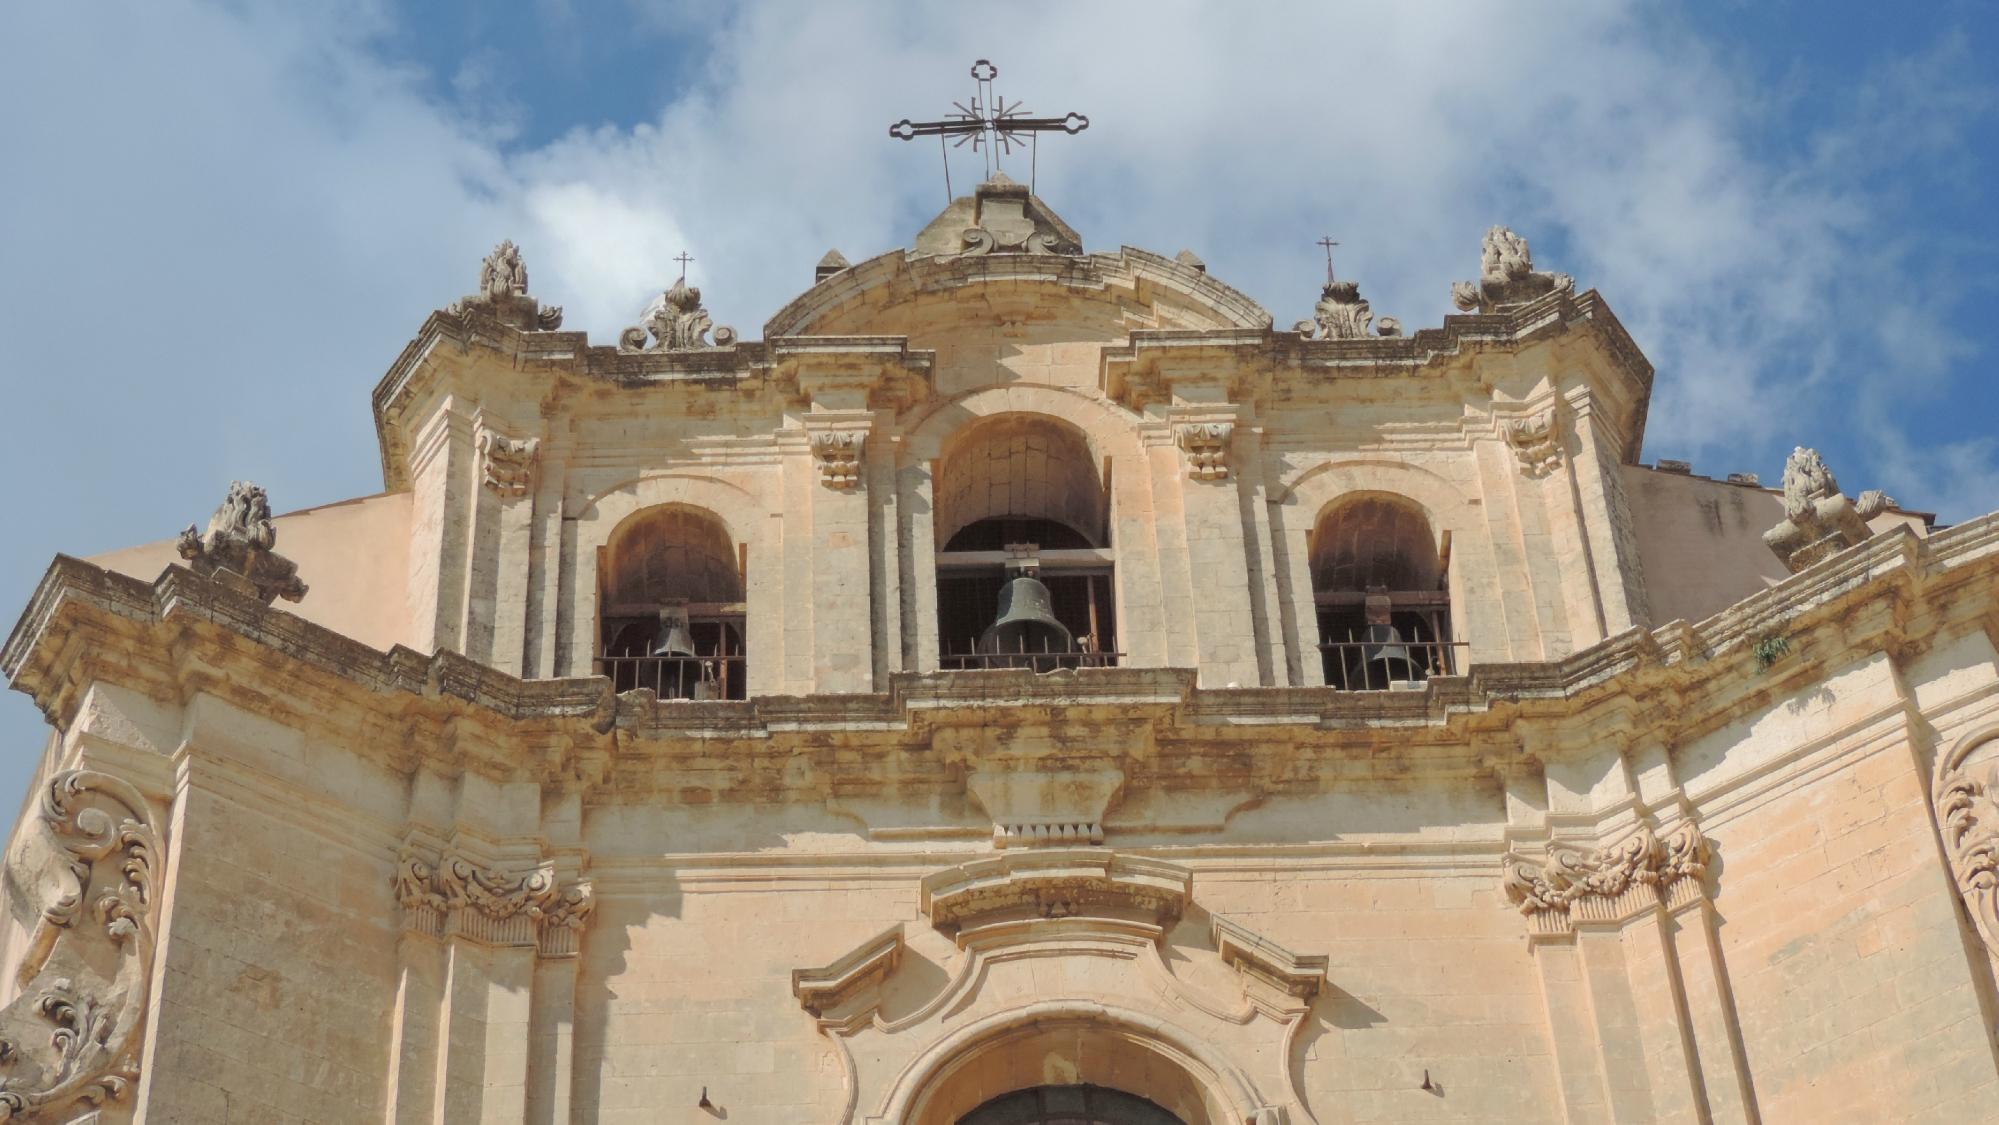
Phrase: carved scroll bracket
(839, 453)
(1537, 441)
(1962, 787)
(72, 1036)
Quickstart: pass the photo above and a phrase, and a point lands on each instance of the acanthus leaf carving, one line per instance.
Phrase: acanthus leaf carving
(508, 463)
(1819, 520)
(675, 321)
(1506, 277)
(238, 546)
(1207, 448)
(1537, 442)
(1343, 314)
(105, 842)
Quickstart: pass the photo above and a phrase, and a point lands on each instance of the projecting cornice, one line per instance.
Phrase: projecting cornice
(183, 634)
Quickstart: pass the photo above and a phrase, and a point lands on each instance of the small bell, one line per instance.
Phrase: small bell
(1384, 656)
(1027, 624)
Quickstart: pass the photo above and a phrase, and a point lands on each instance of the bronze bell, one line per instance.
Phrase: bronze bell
(1026, 621)
(1382, 652)
(675, 638)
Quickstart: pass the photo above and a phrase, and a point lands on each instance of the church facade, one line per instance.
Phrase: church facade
(1023, 686)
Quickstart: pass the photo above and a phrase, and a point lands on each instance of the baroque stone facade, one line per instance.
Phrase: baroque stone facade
(1022, 678)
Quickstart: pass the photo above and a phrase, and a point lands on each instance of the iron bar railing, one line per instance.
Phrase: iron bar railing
(677, 677)
(1376, 665)
(1044, 659)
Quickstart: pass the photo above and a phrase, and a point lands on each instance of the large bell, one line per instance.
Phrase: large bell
(1385, 658)
(1026, 622)
(675, 638)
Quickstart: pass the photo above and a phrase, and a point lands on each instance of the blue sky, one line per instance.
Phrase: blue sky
(220, 223)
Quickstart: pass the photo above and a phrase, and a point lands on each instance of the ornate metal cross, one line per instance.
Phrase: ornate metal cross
(683, 258)
(991, 124)
(1328, 243)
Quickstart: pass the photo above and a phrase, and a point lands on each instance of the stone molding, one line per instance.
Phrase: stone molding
(1298, 976)
(1536, 441)
(72, 1036)
(1055, 884)
(1047, 833)
(1207, 448)
(838, 453)
(456, 897)
(1571, 885)
(844, 995)
(1964, 790)
(508, 464)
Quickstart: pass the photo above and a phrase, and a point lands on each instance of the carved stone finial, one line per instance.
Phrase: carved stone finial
(509, 462)
(1506, 276)
(839, 456)
(676, 322)
(1191, 260)
(999, 217)
(1343, 314)
(238, 545)
(1537, 442)
(1819, 521)
(832, 263)
(1207, 447)
(503, 292)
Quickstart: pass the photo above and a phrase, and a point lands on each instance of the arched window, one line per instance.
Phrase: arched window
(670, 606)
(1384, 604)
(1024, 565)
(1069, 1105)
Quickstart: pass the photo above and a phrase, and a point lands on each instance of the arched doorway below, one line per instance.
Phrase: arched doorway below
(1069, 1105)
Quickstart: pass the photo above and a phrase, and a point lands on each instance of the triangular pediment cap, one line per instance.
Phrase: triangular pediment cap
(1001, 216)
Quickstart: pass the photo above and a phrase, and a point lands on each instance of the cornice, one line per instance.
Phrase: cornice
(183, 633)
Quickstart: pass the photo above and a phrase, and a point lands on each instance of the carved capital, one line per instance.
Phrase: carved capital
(458, 897)
(1570, 884)
(839, 455)
(508, 464)
(1207, 448)
(1537, 442)
(72, 1036)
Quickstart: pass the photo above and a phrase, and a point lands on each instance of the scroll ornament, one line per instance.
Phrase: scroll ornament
(676, 322)
(1572, 883)
(1968, 818)
(72, 1036)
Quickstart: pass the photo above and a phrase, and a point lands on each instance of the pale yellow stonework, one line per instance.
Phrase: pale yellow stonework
(1675, 834)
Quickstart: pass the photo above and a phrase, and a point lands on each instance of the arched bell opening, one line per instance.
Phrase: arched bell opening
(1025, 568)
(1380, 581)
(670, 606)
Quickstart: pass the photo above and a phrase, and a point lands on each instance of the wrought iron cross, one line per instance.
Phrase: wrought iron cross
(991, 124)
(683, 258)
(1328, 243)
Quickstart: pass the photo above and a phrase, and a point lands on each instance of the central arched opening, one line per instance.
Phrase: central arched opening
(670, 608)
(1025, 565)
(1070, 1105)
(1379, 578)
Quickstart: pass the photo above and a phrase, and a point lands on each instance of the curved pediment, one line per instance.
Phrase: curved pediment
(936, 297)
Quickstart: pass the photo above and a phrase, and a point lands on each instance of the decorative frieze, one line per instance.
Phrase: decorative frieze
(1047, 833)
(1819, 520)
(1207, 448)
(508, 464)
(1537, 442)
(237, 547)
(1506, 276)
(676, 322)
(1962, 787)
(839, 455)
(71, 1038)
(458, 897)
(1571, 884)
